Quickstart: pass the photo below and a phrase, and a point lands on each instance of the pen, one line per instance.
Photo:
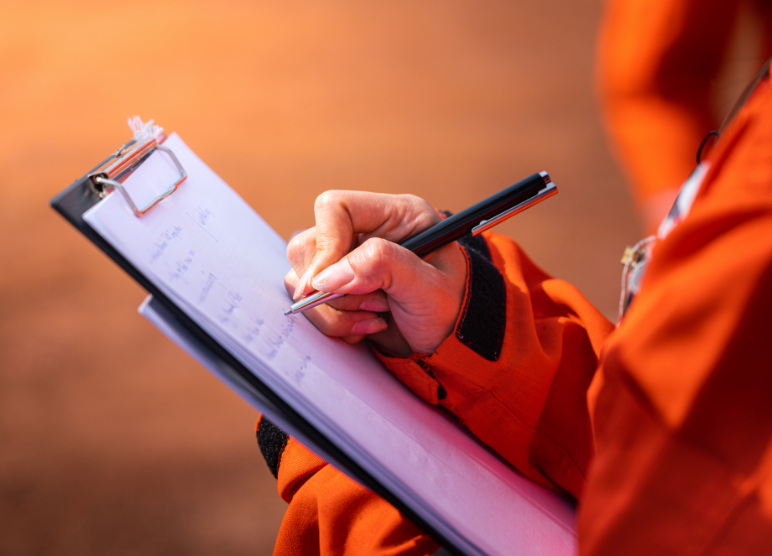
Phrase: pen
(473, 220)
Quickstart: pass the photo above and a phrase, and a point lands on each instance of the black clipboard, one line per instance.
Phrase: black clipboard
(107, 177)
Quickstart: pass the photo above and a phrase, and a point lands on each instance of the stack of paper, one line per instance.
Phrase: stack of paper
(217, 260)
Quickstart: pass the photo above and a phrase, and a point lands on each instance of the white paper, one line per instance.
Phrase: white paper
(211, 254)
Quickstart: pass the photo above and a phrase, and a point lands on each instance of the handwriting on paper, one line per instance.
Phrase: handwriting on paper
(189, 243)
(202, 217)
(163, 242)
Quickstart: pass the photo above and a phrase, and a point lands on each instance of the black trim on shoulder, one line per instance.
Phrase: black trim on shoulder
(272, 441)
(484, 317)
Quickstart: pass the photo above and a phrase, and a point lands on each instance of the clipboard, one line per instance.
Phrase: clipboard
(108, 178)
(108, 175)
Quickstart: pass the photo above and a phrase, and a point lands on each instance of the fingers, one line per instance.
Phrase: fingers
(301, 249)
(350, 318)
(423, 298)
(370, 267)
(375, 302)
(344, 324)
(400, 301)
(345, 218)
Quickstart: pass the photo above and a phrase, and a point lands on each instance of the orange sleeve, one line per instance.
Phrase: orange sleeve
(329, 514)
(517, 367)
(656, 62)
(684, 422)
(515, 371)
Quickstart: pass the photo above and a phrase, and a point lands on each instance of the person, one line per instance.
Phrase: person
(658, 65)
(660, 427)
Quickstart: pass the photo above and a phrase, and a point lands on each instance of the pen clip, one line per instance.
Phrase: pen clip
(550, 190)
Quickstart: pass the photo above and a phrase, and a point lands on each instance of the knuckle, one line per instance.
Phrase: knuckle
(418, 204)
(378, 253)
(413, 200)
(333, 223)
(291, 278)
(326, 243)
(294, 245)
(427, 219)
(378, 249)
(419, 212)
(329, 199)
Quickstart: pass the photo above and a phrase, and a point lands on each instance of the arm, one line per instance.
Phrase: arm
(683, 422)
(328, 513)
(477, 328)
(516, 368)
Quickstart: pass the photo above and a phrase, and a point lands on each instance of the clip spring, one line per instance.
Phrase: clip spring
(110, 174)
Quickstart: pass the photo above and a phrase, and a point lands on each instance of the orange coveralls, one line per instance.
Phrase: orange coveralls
(658, 62)
(660, 428)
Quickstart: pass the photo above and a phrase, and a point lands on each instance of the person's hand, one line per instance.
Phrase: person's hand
(400, 301)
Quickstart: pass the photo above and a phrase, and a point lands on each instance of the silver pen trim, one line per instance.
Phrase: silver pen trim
(312, 301)
(549, 191)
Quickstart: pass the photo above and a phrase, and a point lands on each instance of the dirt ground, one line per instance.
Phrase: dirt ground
(113, 440)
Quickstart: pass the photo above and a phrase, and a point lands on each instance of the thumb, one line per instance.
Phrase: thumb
(377, 264)
(424, 297)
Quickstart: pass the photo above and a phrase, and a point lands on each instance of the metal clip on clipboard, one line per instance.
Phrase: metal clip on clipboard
(111, 172)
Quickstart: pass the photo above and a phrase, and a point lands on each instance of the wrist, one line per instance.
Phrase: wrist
(476, 331)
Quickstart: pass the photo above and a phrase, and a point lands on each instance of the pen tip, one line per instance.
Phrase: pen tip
(288, 311)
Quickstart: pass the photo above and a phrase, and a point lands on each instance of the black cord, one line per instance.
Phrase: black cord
(702, 145)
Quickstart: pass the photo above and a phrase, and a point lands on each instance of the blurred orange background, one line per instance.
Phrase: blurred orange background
(112, 439)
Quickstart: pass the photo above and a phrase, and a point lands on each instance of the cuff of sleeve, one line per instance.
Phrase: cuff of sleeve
(482, 322)
(297, 463)
(288, 460)
(272, 441)
(478, 333)
(413, 372)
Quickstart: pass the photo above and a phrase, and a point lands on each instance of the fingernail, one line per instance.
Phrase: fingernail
(376, 305)
(369, 326)
(333, 277)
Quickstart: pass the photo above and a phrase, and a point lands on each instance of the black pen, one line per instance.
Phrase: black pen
(473, 220)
